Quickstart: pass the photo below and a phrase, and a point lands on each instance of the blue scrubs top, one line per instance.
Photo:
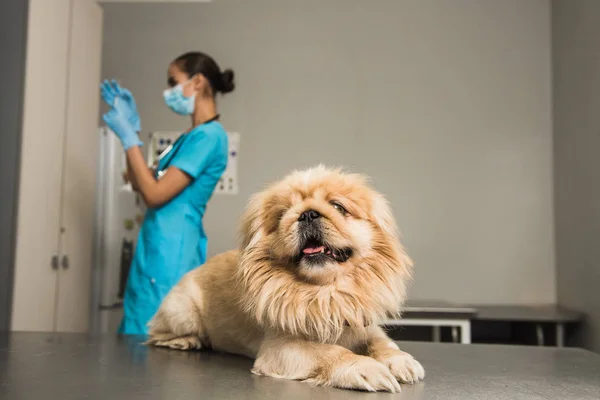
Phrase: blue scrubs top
(172, 241)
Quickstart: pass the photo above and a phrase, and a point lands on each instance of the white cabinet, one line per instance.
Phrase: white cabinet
(59, 151)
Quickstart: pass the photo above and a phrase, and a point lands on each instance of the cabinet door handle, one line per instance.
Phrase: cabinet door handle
(54, 262)
(113, 306)
(65, 262)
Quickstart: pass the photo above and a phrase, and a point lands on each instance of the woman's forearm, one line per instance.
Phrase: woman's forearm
(140, 175)
(154, 192)
(131, 176)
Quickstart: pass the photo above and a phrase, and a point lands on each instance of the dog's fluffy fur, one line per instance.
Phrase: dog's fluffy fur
(320, 265)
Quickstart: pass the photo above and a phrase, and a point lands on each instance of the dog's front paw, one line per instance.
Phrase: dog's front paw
(360, 373)
(404, 367)
(179, 343)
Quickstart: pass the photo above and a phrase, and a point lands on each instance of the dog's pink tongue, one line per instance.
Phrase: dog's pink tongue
(312, 250)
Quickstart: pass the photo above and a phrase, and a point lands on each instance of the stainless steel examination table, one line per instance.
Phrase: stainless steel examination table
(72, 366)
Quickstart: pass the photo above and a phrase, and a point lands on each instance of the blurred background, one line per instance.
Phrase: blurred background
(478, 119)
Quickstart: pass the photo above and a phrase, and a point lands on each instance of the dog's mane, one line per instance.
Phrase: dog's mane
(277, 299)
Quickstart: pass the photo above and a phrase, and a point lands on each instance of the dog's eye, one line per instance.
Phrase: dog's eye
(339, 207)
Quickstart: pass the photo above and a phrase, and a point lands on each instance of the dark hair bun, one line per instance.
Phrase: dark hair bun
(227, 81)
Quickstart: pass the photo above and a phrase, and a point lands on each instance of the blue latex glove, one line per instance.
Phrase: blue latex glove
(119, 124)
(127, 106)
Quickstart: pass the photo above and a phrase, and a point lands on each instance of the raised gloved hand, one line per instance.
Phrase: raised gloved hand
(111, 91)
(121, 126)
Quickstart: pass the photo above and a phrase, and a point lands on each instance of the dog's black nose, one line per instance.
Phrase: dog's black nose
(309, 216)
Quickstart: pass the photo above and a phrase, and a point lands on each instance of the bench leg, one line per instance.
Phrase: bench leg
(465, 332)
(560, 335)
(437, 333)
(539, 331)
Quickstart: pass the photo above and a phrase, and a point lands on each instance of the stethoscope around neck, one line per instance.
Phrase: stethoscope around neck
(168, 149)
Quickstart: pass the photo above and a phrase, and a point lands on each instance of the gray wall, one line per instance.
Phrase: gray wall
(576, 40)
(13, 30)
(445, 104)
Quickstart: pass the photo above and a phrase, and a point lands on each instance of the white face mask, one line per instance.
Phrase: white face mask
(177, 102)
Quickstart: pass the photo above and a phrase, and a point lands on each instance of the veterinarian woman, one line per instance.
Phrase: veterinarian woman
(172, 240)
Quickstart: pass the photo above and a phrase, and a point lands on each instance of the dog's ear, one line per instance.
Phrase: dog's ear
(384, 218)
(251, 222)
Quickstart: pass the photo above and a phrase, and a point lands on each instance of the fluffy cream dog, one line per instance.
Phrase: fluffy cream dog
(320, 265)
